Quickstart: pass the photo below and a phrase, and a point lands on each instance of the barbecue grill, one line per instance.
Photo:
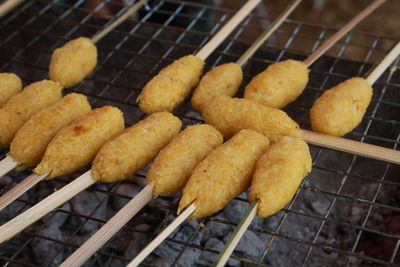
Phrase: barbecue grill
(347, 210)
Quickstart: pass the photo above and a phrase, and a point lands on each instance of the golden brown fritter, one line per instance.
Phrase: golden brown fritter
(22, 106)
(339, 110)
(10, 84)
(279, 173)
(224, 173)
(230, 115)
(31, 140)
(171, 85)
(224, 79)
(76, 144)
(72, 62)
(135, 147)
(174, 164)
(280, 84)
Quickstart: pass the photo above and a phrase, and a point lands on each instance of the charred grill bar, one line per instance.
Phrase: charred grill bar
(347, 209)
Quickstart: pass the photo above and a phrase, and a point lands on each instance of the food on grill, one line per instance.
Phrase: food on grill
(230, 115)
(76, 144)
(224, 79)
(224, 173)
(31, 140)
(22, 106)
(340, 109)
(278, 85)
(72, 62)
(10, 84)
(174, 164)
(278, 174)
(135, 147)
(171, 85)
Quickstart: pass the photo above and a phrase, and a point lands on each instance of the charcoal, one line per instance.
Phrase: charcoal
(207, 258)
(45, 249)
(129, 190)
(85, 203)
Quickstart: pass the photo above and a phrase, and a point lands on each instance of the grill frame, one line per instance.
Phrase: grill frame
(228, 50)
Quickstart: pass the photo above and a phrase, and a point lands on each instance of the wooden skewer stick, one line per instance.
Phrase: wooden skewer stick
(51, 202)
(266, 34)
(109, 229)
(237, 234)
(227, 29)
(9, 5)
(117, 22)
(345, 29)
(20, 189)
(162, 236)
(351, 146)
(384, 64)
(6, 165)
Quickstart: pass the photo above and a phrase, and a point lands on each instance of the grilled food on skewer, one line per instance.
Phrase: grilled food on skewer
(72, 62)
(10, 84)
(340, 109)
(278, 174)
(223, 174)
(230, 115)
(171, 85)
(31, 140)
(22, 106)
(224, 79)
(174, 164)
(280, 84)
(76, 144)
(135, 147)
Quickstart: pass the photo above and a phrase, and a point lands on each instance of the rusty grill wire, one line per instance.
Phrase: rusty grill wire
(356, 196)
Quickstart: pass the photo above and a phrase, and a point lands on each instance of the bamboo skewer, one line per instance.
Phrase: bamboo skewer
(51, 202)
(345, 29)
(97, 37)
(351, 146)
(162, 236)
(384, 64)
(237, 234)
(271, 29)
(20, 188)
(109, 229)
(72, 189)
(227, 29)
(8, 5)
(6, 165)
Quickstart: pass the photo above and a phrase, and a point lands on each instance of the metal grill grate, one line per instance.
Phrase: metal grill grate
(347, 211)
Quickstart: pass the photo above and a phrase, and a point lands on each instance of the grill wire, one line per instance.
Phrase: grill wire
(344, 193)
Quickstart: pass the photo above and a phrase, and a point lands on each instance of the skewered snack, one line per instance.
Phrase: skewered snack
(340, 109)
(20, 107)
(223, 174)
(135, 147)
(10, 84)
(171, 85)
(72, 62)
(31, 140)
(76, 144)
(167, 175)
(278, 174)
(224, 79)
(230, 115)
(174, 164)
(278, 85)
